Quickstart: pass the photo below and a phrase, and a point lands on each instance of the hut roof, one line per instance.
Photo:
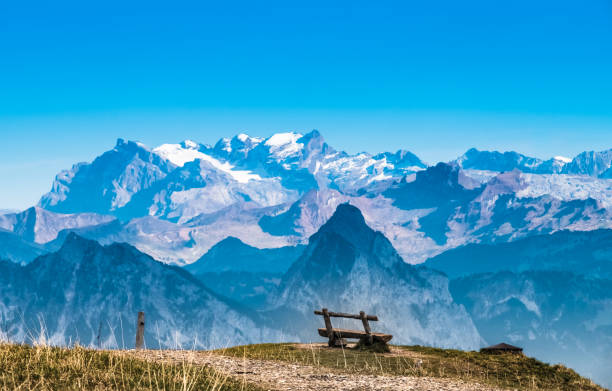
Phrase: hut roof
(503, 346)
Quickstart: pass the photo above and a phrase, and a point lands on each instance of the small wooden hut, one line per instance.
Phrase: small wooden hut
(502, 348)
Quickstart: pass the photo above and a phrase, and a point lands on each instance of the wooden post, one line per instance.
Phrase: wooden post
(328, 326)
(366, 327)
(99, 336)
(140, 330)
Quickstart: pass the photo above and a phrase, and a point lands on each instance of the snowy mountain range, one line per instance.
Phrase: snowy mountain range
(269, 223)
(174, 202)
(591, 163)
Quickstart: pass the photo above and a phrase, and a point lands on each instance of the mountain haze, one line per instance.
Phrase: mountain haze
(350, 267)
(90, 294)
(274, 227)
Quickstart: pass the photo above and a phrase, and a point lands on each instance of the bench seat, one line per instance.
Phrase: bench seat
(344, 333)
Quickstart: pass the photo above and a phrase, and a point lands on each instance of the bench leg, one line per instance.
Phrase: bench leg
(337, 343)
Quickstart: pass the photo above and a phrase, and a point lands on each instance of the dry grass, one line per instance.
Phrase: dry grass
(24, 367)
(501, 371)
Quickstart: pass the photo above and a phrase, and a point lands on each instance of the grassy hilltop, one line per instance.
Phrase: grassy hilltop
(504, 371)
(50, 368)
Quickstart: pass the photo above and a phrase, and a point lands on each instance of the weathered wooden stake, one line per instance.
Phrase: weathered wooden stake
(140, 330)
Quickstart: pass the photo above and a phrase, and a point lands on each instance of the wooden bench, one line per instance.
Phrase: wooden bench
(336, 336)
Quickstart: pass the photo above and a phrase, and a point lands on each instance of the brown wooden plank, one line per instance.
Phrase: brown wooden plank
(351, 316)
(344, 333)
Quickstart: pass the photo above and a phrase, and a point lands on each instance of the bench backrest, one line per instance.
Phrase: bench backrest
(343, 315)
(362, 315)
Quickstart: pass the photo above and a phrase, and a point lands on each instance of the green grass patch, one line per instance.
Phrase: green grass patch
(49, 368)
(500, 370)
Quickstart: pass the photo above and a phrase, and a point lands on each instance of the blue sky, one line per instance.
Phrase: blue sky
(434, 77)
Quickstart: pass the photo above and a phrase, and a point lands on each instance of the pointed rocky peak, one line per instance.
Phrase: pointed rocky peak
(407, 158)
(29, 213)
(314, 144)
(346, 215)
(313, 138)
(124, 154)
(341, 244)
(348, 223)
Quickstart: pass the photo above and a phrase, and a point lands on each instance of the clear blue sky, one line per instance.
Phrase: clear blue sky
(434, 77)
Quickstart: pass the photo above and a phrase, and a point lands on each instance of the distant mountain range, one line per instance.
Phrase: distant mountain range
(268, 228)
(595, 164)
(89, 293)
(176, 201)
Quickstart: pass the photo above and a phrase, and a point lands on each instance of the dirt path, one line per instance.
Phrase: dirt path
(284, 376)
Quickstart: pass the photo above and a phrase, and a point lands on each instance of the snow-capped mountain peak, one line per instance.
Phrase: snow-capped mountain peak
(280, 139)
(235, 148)
(283, 145)
(562, 159)
(246, 138)
(190, 144)
(179, 154)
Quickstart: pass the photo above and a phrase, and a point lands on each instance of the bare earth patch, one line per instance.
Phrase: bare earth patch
(281, 376)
